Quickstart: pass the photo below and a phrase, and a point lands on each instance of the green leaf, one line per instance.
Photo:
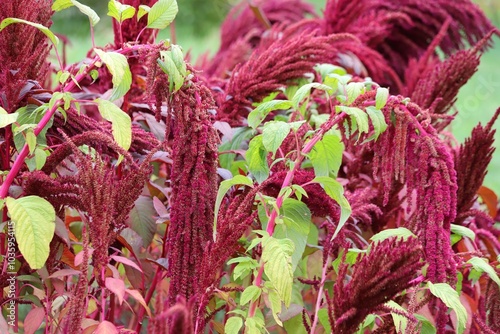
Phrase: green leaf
(451, 298)
(358, 117)
(117, 65)
(92, 15)
(178, 58)
(427, 327)
(296, 226)
(142, 219)
(239, 135)
(223, 189)
(400, 321)
(354, 89)
(121, 124)
(94, 74)
(6, 118)
(400, 232)
(381, 97)
(275, 303)
(63, 77)
(277, 256)
(59, 5)
(273, 135)
(143, 10)
(482, 265)
(335, 190)
(326, 69)
(233, 325)
(251, 293)
(168, 66)
(378, 120)
(305, 91)
(119, 11)
(257, 115)
(244, 267)
(326, 155)
(162, 14)
(28, 118)
(34, 218)
(463, 231)
(253, 326)
(31, 140)
(46, 31)
(368, 323)
(256, 157)
(295, 325)
(324, 320)
(40, 158)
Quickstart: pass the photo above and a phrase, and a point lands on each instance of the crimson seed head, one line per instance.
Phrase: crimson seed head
(389, 268)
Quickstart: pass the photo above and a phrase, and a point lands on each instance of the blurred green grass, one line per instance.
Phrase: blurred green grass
(477, 100)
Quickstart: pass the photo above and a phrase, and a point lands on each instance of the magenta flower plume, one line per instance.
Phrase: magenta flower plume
(471, 161)
(177, 319)
(389, 268)
(23, 50)
(194, 186)
(272, 68)
(411, 153)
(95, 188)
(492, 306)
(439, 83)
(403, 29)
(142, 141)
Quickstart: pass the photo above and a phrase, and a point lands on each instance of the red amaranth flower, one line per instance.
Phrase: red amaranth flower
(439, 83)
(389, 268)
(471, 161)
(23, 49)
(410, 153)
(403, 29)
(94, 187)
(194, 186)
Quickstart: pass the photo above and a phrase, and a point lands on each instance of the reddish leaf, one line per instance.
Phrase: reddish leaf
(117, 286)
(490, 199)
(62, 231)
(79, 257)
(137, 296)
(33, 320)
(64, 272)
(106, 327)
(68, 258)
(126, 261)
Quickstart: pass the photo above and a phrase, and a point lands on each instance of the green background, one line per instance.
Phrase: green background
(197, 29)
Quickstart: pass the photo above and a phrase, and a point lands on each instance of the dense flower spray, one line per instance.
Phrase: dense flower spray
(95, 190)
(378, 277)
(402, 29)
(24, 68)
(194, 183)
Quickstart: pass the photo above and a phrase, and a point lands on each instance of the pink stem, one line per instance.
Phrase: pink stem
(320, 294)
(286, 183)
